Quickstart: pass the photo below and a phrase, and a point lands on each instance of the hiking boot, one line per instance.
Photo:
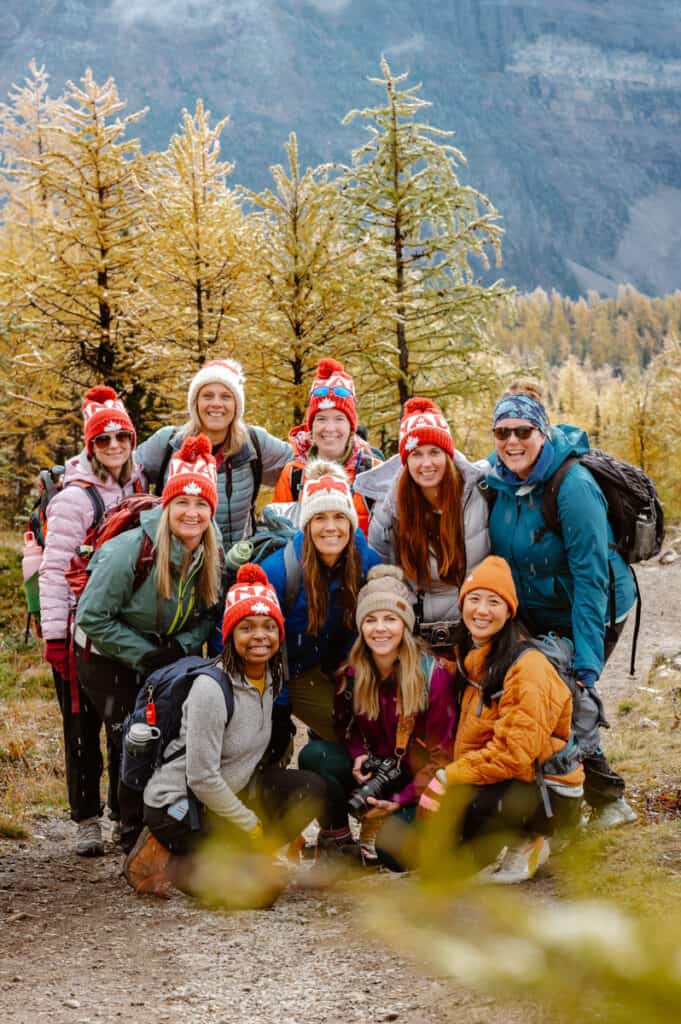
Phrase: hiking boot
(617, 812)
(145, 866)
(89, 842)
(519, 863)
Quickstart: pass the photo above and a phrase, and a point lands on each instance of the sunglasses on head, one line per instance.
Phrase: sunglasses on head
(338, 390)
(503, 433)
(104, 440)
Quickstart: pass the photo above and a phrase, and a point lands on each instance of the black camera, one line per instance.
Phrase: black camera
(438, 634)
(384, 771)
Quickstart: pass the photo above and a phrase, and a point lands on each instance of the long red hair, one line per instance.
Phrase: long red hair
(418, 523)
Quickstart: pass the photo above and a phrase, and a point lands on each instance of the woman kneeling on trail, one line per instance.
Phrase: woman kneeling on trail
(317, 577)
(433, 520)
(515, 717)
(571, 581)
(213, 767)
(395, 715)
(95, 481)
(130, 622)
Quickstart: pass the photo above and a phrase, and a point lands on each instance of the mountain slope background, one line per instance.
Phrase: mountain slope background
(569, 111)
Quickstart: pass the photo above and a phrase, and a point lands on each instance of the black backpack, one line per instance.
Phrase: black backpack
(159, 702)
(634, 512)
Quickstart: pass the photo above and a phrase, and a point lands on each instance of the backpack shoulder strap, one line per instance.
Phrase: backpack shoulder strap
(296, 481)
(256, 470)
(294, 576)
(162, 469)
(144, 563)
(225, 683)
(549, 501)
(96, 500)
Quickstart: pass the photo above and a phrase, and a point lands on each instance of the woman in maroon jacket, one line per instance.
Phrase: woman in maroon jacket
(394, 707)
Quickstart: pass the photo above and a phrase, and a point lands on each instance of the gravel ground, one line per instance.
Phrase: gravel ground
(78, 947)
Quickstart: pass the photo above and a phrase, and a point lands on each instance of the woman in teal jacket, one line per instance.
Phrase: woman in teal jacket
(563, 579)
(126, 629)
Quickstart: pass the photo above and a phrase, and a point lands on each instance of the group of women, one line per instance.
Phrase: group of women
(405, 622)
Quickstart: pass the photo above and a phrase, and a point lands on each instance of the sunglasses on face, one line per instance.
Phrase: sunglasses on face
(338, 390)
(503, 433)
(104, 440)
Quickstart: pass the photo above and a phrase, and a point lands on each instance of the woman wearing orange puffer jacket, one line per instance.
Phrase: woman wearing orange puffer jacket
(512, 744)
(329, 432)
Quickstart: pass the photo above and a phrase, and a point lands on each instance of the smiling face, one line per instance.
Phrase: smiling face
(189, 516)
(256, 640)
(330, 534)
(484, 614)
(114, 455)
(519, 455)
(382, 632)
(216, 408)
(330, 432)
(426, 465)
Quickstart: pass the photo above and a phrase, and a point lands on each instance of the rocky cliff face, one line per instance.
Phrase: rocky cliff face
(569, 111)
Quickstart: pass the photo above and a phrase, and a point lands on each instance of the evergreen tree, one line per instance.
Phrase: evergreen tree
(425, 230)
(318, 297)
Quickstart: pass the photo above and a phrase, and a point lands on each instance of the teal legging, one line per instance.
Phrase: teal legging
(333, 763)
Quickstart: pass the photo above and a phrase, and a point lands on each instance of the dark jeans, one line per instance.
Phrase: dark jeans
(111, 688)
(333, 763)
(82, 752)
(285, 800)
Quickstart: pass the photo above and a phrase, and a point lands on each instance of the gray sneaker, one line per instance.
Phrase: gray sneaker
(617, 812)
(517, 863)
(89, 842)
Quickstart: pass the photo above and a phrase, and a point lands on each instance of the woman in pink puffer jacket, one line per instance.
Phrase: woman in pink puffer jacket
(96, 480)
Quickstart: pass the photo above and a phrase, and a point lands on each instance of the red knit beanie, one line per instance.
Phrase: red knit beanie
(192, 471)
(103, 412)
(332, 388)
(252, 594)
(493, 574)
(423, 423)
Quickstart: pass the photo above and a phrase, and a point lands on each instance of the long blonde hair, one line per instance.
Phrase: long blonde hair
(411, 681)
(210, 573)
(236, 432)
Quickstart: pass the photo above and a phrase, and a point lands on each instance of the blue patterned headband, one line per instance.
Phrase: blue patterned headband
(522, 407)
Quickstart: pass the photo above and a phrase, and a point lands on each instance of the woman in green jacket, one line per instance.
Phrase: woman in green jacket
(126, 628)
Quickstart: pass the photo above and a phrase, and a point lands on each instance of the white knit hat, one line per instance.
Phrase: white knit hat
(326, 489)
(220, 371)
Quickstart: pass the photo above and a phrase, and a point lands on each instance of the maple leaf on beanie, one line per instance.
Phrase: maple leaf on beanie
(332, 388)
(192, 471)
(103, 411)
(423, 423)
(252, 594)
(326, 489)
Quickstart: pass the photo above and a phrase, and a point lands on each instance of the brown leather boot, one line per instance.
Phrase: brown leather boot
(145, 866)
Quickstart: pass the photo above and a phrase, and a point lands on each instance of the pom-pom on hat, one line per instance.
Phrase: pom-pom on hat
(326, 488)
(423, 423)
(103, 412)
(192, 471)
(220, 371)
(493, 574)
(385, 590)
(252, 594)
(332, 388)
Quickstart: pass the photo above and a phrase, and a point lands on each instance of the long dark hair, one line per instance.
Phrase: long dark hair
(418, 521)
(316, 582)
(506, 646)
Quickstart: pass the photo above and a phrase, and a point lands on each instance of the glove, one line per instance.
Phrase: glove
(170, 650)
(283, 728)
(431, 798)
(57, 653)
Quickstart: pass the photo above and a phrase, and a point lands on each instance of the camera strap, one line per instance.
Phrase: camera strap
(405, 727)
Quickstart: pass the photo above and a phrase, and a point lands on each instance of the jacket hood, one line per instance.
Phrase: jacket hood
(566, 440)
(471, 474)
